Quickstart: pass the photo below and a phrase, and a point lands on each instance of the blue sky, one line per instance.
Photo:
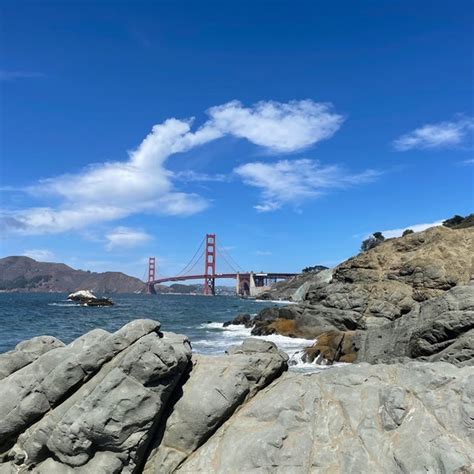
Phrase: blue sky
(290, 129)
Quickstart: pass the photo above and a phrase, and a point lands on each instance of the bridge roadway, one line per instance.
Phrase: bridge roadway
(278, 276)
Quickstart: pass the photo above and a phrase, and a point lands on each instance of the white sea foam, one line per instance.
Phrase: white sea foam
(235, 334)
(285, 302)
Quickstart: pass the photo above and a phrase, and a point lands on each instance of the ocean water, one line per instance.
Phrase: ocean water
(201, 318)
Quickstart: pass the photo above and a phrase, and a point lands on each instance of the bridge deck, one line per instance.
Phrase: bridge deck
(222, 276)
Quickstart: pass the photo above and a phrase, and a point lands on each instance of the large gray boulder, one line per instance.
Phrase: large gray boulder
(106, 425)
(216, 387)
(25, 353)
(30, 392)
(440, 329)
(409, 418)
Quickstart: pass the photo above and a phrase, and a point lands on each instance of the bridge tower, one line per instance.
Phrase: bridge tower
(150, 288)
(210, 265)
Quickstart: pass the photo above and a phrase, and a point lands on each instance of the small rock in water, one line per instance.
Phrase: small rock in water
(244, 319)
(89, 299)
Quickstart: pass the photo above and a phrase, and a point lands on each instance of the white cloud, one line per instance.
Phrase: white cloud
(467, 162)
(438, 135)
(279, 127)
(295, 181)
(12, 75)
(190, 176)
(142, 184)
(126, 237)
(263, 252)
(415, 228)
(41, 255)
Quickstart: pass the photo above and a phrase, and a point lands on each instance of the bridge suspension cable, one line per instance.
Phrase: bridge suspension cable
(223, 253)
(190, 265)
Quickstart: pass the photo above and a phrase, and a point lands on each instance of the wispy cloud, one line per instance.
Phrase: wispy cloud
(12, 75)
(415, 228)
(41, 255)
(125, 237)
(438, 135)
(263, 252)
(142, 184)
(190, 176)
(467, 162)
(292, 182)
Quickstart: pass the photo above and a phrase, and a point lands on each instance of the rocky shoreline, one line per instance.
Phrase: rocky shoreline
(139, 399)
(408, 298)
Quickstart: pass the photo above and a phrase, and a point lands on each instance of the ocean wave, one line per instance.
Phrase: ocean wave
(66, 305)
(222, 338)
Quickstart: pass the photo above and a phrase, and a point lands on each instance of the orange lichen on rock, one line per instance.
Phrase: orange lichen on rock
(285, 327)
(333, 346)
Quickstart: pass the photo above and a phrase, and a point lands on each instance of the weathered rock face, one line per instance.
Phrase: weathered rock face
(38, 387)
(384, 291)
(216, 387)
(107, 402)
(111, 418)
(25, 353)
(439, 329)
(133, 402)
(360, 418)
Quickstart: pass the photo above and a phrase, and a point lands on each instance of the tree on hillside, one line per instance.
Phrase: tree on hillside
(407, 232)
(375, 239)
(459, 222)
(314, 269)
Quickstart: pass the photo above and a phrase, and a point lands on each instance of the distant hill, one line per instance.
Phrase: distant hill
(26, 274)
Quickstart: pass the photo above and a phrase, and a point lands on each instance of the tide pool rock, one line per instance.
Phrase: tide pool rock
(360, 418)
(215, 388)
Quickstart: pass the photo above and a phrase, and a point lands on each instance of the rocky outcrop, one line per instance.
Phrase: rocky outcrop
(107, 402)
(216, 387)
(137, 401)
(240, 319)
(441, 329)
(384, 292)
(87, 298)
(296, 288)
(25, 353)
(361, 418)
(28, 393)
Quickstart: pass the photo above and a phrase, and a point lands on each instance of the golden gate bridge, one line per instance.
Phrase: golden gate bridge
(248, 283)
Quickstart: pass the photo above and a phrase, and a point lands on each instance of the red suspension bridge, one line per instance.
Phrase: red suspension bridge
(248, 283)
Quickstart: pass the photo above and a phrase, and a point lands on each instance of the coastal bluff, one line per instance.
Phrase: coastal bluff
(408, 298)
(138, 400)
